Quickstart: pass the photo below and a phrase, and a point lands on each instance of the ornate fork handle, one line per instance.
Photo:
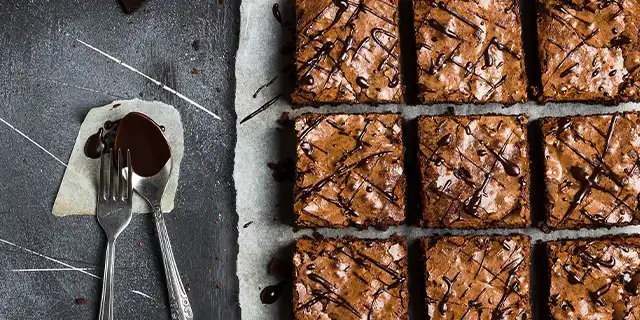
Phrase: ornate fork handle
(178, 299)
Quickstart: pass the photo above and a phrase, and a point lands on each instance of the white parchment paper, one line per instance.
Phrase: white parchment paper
(258, 61)
(78, 190)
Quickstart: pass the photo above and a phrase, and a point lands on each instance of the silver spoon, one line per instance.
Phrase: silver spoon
(151, 189)
(149, 149)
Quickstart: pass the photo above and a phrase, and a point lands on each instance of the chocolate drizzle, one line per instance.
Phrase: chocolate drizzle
(270, 294)
(276, 12)
(442, 305)
(135, 132)
(262, 108)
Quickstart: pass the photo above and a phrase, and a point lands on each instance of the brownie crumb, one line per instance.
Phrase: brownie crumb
(195, 71)
(285, 121)
(195, 45)
(282, 170)
(279, 268)
(81, 301)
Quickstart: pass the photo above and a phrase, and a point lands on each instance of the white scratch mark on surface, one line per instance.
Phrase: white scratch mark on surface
(51, 269)
(144, 295)
(32, 141)
(160, 84)
(80, 87)
(49, 258)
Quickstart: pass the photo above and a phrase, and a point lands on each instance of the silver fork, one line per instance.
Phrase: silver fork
(114, 212)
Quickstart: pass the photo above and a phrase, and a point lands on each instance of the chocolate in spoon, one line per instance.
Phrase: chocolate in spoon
(149, 149)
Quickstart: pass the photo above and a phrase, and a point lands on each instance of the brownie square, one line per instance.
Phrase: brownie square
(477, 277)
(347, 52)
(592, 176)
(589, 50)
(594, 278)
(474, 171)
(350, 278)
(349, 171)
(469, 52)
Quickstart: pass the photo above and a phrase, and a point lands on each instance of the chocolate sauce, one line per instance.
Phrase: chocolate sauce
(137, 133)
(94, 146)
(276, 12)
(270, 294)
(146, 142)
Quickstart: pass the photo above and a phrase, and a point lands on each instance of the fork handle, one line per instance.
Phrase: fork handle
(106, 300)
(178, 299)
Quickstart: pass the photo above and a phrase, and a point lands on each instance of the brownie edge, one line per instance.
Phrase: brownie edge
(350, 278)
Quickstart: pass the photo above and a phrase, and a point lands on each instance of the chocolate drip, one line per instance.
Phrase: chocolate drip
(276, 12)
(270, 294)
(572, 277)
(445, 140)
(569, 70)
(255, 94)
(620, 41)
(466, 21)
(631, 282)
(261, 109)
(510, 168)
(362, 82)
(597, 295)
(95, 146)
(442, 305)
(442, 28)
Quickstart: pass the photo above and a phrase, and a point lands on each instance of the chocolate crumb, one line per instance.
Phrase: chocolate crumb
(247, 224)
(116, 106)
(195, 71)
(81, 301)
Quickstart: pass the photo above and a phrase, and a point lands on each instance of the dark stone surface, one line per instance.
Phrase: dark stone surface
(48, 82)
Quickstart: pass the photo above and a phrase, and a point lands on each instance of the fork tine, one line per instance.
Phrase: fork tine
(129, 177)
(113, 194)
(121, 189)
(102, 185)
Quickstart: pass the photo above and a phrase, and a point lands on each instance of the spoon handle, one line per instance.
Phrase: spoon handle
(178, 299)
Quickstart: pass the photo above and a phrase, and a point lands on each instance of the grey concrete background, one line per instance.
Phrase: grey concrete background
(48, 82)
